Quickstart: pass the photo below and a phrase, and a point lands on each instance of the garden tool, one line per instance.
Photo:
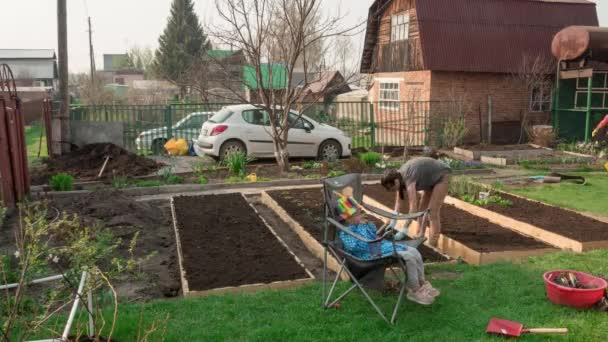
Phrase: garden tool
(502, 327)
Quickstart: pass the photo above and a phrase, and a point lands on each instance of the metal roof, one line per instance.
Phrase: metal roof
(27, 54)
(489, 35)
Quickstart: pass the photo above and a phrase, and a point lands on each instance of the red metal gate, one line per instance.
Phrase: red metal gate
(14, 176)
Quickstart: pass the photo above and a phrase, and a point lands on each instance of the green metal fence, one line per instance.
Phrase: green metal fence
(147, 127)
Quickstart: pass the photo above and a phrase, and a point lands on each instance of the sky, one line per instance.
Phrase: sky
(121, 24)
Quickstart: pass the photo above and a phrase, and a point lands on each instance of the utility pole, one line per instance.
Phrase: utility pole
(92, 55)
(61, 123)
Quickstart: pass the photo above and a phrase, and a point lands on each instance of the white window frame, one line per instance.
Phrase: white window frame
(581, 90)
(543, 103)
(386, 103)
(400, 27)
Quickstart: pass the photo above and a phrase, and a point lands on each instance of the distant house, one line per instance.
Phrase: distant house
(224, 75)
(31, 67)
(114, 62)
(320, 86)
(116, 72)
(278, 83)
(465, 50)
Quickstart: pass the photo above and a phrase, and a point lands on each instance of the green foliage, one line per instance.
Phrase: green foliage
(452, 131)
(202, 168)
(498, 185)
(237, 163)
(370, 159)
(62, 182)
(311, 165)
(235, 179)
(2, 215)
(202, 180)
(486, 201)
(182, 45)
(119, 182)
(335, 173)
(456, 164)
(460, 186)
(148, 183)
(313, 176)
(175, 179)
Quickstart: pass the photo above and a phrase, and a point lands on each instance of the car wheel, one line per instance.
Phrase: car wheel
(330, 150)
(230, 147)
(158, 146)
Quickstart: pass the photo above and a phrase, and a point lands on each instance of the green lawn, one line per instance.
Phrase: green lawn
(461, 313)
(591, 197)
(32, 138)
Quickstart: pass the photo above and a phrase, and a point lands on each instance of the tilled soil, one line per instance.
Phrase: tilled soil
(86, 162)
(306, 207)
(225, 243)
(473, 231)
(554, 219)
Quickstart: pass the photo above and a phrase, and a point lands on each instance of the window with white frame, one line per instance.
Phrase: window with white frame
(541, 98)
(599, 91)
(400, 27)
(389, 95)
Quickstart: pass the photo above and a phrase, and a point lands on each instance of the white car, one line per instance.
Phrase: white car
(246, 128)
(188, 128)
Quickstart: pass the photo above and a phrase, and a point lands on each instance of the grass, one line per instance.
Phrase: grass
(461, 313)
(588, 198)
(32, 138)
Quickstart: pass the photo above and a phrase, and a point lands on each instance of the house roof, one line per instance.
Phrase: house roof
(484, 35)
(221, 54)
(27, 54)
(279, 76)
(320, 81)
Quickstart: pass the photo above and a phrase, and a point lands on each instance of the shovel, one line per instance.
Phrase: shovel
(503, 327)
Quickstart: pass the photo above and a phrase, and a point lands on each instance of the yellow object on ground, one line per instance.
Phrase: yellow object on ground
(606, 166)
(177, 147)
(252, 178)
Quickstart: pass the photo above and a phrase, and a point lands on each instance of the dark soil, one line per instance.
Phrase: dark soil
(224, 243)
(306, 207)
(498, 147)
(473, 231)
(124, 216)
(86, 162)
(556, 220)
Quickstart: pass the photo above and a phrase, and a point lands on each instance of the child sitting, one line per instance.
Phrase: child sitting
(419, 290)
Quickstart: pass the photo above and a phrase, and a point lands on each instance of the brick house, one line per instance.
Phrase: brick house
(469, 51)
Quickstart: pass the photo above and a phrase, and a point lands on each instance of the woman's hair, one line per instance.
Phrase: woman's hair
(388, 180)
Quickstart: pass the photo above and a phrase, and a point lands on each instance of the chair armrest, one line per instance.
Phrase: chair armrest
(356, 236)
(393, 216)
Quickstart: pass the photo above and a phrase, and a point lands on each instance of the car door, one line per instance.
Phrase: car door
(256, 131)
(302, 140)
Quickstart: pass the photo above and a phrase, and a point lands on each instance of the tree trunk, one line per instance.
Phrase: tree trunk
(281, 154)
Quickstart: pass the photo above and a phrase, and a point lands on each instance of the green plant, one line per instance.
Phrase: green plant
(486, 201)
(148, 183)
(235, 179)
(460, 186)
(237, 163)
(370, 159)
(62, 182)
(202, 180)
(313, 176)
(175, 179)
(3, 211)
(335, 173)
(119, 182)
(453, 131)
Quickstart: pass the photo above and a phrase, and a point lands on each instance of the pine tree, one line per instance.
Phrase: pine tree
(181, 45)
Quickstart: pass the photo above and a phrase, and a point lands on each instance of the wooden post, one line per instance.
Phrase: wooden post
(61, 128)
(588, 116)
(489, 119)
(556, 101)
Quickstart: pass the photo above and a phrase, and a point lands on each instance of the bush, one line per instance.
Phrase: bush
(453, 130)
(335, 173)
(148, 183)
(174, 179)
(202, 180)
(119, 182)
(463, 186)
(237, 163)
(369, 159)
(62, 182)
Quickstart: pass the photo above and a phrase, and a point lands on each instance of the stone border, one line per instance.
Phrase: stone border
(309, 241)
(457, 249)
(248, 288)
(527, 229)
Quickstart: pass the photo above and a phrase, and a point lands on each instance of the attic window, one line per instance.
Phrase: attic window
(400, 27)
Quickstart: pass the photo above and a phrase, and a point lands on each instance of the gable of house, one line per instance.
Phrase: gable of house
(475, 35)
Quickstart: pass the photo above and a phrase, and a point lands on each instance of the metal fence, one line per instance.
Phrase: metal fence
(370, 124)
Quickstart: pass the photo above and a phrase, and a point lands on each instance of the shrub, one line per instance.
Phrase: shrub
(335, 173)
(463, 186)
(237, 163)
(119, 182)
(453, 130)
(148, 183)
(235, 179)
(202, 180)
(62, 182)
(369, 159)
(175, 179)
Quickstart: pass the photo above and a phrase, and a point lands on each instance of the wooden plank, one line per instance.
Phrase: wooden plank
(475, 155)
(309, 241)
(278, 285)
(579, 73)
(498, 161)
(457, 250)
(180, 258)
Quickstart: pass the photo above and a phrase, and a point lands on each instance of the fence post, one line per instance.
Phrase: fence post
(168, 121)
(372, 125)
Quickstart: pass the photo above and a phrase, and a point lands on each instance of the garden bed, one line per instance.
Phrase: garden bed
(224, 246)
(475, 239)
(556, 226)
(504, 151)
(305, 206)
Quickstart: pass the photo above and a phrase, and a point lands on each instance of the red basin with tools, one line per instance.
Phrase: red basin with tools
(578, 298)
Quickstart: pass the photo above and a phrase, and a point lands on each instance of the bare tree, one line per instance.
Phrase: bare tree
(139, 58)
(278, 33)
(535, 75)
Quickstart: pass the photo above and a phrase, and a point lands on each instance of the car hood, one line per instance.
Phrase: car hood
(155, 131)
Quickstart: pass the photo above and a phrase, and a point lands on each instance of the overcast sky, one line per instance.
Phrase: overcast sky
(120, 24)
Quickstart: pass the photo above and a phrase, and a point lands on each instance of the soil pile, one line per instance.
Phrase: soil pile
(86, 162)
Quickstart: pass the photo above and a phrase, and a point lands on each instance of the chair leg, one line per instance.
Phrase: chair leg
(342, 295)
(333, 286)
(367, 296)
(398, 305)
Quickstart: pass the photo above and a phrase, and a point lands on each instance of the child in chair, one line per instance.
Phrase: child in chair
(419, 290)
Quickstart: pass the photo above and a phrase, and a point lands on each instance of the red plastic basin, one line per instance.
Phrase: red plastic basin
(578, 298)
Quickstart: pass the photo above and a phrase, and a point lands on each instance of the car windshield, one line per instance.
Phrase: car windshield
(221, 116)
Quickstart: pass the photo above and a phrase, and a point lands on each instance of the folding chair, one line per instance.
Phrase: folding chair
(363, 273)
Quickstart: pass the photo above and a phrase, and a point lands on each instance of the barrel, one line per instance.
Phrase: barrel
(575, 42)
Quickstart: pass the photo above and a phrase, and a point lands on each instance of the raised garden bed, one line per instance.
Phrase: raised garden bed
(305, 208)
(224, 246)
(556, 226)
(503, 151)
(476, 240)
